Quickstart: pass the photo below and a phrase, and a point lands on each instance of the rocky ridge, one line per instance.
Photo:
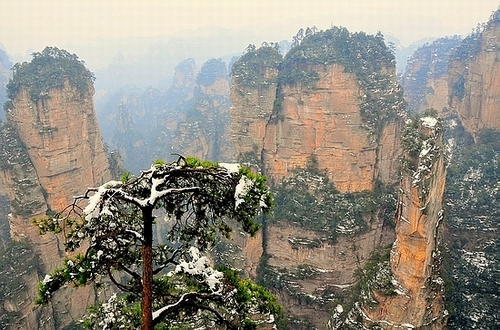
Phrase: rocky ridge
(471, 257)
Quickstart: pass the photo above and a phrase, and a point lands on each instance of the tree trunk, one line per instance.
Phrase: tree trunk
(147, 271)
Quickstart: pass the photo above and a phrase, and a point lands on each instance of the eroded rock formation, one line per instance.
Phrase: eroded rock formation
(471, 133)
(326, 122)
(253, 97)
(62, 139)
(325, 130)
(191, 118)
(346, 118)
(203, 129)
(418, 297)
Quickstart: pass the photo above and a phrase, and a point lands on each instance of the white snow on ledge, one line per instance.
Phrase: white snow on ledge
(429, 122)
(231, 167)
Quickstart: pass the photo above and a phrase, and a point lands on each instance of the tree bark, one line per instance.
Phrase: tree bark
(147, 270)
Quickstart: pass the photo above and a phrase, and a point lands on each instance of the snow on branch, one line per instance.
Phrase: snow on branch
(200, 265)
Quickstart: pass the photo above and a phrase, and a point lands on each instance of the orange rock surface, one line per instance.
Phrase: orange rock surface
(62, 154)
(283, 126)
(326, 122)
(63, 141)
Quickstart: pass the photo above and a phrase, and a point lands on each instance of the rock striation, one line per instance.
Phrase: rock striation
(343, 114)
(418, 297)
(471, 135)
(62, 139)
(253, 97)
(326, 123)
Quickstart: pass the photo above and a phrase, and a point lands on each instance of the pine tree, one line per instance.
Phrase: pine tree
(174, 283)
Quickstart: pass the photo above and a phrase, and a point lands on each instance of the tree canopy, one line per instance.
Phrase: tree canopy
(48, 69)
(210, 71)
(251, 68)
(173, 281)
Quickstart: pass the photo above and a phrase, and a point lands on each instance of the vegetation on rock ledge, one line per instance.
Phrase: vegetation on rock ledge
(49, 69)
(366, 56)
(251, 69)
(311, 201)
(472, 196)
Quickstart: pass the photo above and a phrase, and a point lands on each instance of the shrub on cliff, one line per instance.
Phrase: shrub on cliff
(171, 284)
(310, 200)
(49, 69)
(472, 182)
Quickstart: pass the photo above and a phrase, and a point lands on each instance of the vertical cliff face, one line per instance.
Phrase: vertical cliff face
(471, 133)
(425, 80)
(326, 122)
(473, 256)
(63, 141)
(51, 150)
(416, 300)
(253, 96)
(203, 128)
(184, 80)
(320, 103)
(474, 78)
(22, 246)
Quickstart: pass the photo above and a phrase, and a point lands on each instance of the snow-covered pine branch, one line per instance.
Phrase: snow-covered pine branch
(116, 229)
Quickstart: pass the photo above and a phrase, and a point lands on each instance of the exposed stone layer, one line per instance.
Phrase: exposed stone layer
(250, 112)
(63, 141)
(283, 127)
(322, 268)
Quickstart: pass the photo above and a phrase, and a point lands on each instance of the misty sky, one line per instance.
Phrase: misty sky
(28, 25)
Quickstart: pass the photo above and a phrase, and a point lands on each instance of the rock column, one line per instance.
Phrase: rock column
(417, 301)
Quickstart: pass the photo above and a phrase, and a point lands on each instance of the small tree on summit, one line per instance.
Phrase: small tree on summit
(174, 283)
